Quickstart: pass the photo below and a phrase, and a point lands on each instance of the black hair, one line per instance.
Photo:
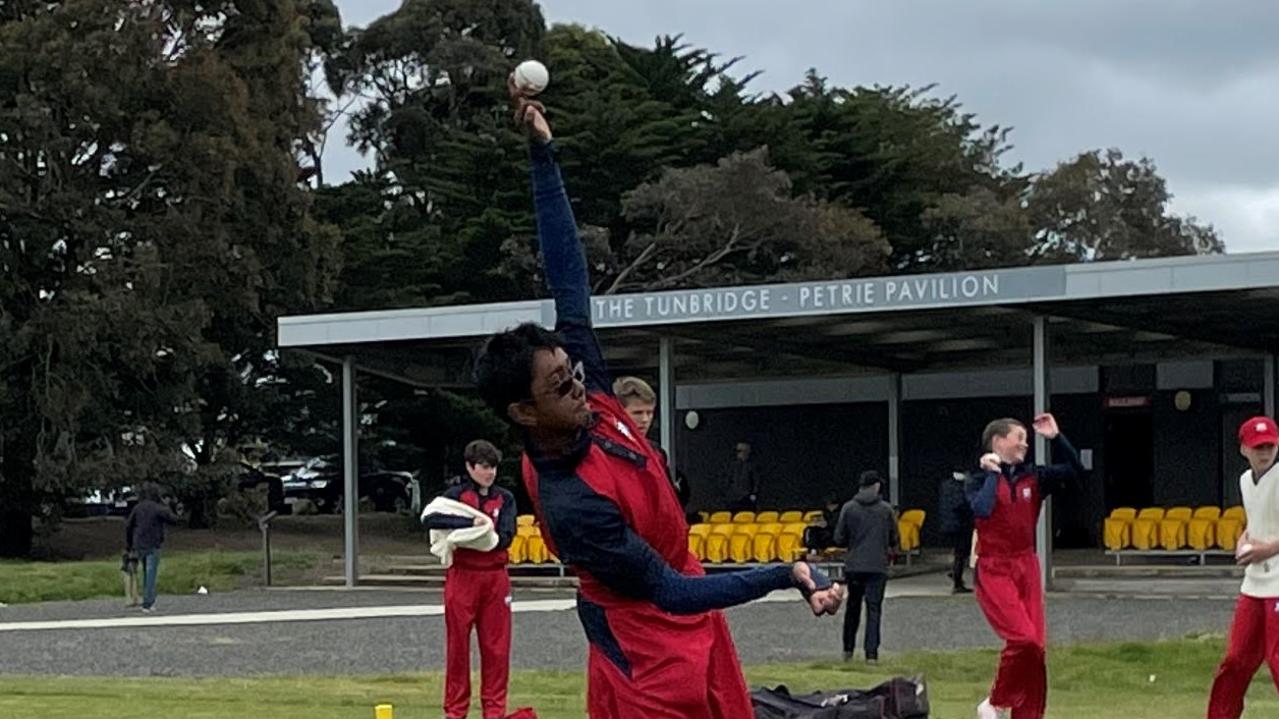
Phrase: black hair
(868, 478)
(482, 451)
(504, 367)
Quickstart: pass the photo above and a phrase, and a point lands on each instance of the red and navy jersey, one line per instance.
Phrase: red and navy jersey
(607, 508)
(614, 480)
(498, 504)
(1006, 504)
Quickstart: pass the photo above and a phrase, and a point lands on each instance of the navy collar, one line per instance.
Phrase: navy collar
(561, 463)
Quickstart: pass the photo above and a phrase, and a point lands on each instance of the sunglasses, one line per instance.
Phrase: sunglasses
(577, 374)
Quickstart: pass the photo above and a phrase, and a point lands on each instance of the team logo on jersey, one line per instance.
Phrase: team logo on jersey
(1025, 492)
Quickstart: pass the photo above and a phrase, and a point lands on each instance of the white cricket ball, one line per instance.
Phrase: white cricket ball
(531, 77)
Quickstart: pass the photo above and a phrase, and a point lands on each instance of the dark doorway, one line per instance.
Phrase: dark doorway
(1130, 458)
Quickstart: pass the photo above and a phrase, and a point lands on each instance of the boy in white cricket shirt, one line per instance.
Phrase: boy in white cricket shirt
(1254, 635)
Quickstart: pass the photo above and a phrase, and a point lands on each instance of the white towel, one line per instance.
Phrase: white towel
(481, 538)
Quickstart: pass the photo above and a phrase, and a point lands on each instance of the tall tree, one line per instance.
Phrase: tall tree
(736, 222)
(151, 226)
(1100, 206)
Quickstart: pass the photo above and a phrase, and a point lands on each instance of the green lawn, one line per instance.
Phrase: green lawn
(1087, 681)
(180, 573)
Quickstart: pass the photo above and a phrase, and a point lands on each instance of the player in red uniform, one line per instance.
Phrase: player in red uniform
(659, 649)
(1006, 497)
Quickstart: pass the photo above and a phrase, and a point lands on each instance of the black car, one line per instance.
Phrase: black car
(320, 481)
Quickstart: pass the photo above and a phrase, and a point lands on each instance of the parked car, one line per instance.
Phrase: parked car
(320, 481)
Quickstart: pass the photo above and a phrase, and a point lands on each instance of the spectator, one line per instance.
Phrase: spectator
(956, 526)
(868, 529)
(144, 536)
(819, 537)
(640, 402)
(743, 480)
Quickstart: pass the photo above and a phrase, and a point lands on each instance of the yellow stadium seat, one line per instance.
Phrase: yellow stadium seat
(1201, 532)
(908, 533)
(1117, 529)
(812, 515)
(791, 517)
(1172, 528)
(908, 526)
(720, 517)
(744, 518)
(1145, 528)
(696, 546)
(697, 535)
(742, 542)
(515, 552)
(1230, 527)
(716, 547)
(790, 544)
(701, 530)
(525, 520)
(766, 518)
(704, 516)
(535, 550)
(764, 546)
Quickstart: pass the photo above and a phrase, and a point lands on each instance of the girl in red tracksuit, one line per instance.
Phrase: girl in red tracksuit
(1006, 496)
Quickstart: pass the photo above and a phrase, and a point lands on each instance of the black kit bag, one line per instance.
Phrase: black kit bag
(897, 698)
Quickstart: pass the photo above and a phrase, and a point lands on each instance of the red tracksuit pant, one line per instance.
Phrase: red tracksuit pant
(1254, 638)
(678, 668)
(1011, 595)
(479, 599)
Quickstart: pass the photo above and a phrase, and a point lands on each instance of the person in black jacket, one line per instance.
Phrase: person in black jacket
(868, 528)
(956, 526)
(144, 535)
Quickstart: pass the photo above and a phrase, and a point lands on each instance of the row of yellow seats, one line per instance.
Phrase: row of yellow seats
(1174, 528)
(793, 516)
(740, 542)
(747, 541)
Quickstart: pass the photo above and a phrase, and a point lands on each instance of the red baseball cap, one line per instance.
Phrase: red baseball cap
(1258, 431)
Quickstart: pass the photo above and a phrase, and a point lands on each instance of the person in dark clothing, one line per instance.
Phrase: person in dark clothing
(956, 527)
(640, 402)
(743, 481)
(659, 648)
(477, 589)
(867, 527)
(818, 538)
(143, 537)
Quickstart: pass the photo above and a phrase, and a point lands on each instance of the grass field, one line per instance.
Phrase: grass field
(1134, 681)
(180, 573)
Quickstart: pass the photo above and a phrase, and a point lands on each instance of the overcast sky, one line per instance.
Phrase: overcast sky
(1191, 84)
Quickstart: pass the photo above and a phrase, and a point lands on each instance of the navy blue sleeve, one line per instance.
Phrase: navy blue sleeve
(564, 261)
(980, 491)
(506, 520)
(591, 534)
(448, 521)
(1054, 476)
